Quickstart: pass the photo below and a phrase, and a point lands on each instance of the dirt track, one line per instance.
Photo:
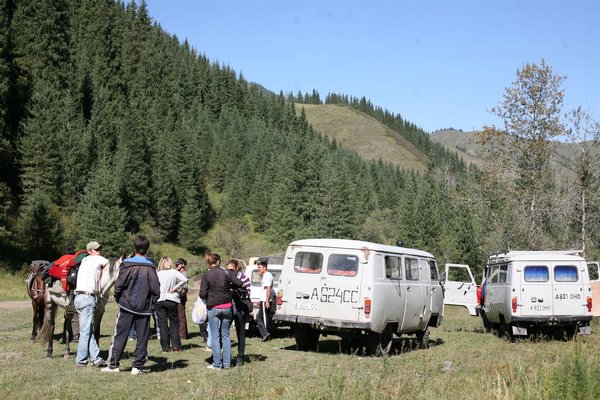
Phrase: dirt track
(15, 305)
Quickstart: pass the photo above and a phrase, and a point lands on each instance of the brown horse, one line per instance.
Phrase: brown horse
(55, 297)
(36, 290)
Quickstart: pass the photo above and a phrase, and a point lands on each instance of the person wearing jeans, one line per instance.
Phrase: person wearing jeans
(86, 289)
(87, 346)
(219, 324)
(215, 291)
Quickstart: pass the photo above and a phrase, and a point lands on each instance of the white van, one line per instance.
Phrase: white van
(274, 266)
(537, 291)
(363, 292)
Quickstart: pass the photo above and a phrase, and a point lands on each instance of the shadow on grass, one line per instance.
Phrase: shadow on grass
(399, 346)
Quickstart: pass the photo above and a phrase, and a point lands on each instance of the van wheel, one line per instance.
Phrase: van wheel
(380, 344)
(307, 338)
(570, 332)
(351, 345)
(487, 326)
(423, 339)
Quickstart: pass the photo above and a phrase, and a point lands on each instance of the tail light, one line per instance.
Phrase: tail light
(589, 304)
(367, 307)
(514, 304)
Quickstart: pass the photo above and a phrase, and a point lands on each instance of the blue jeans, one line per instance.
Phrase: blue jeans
(85, 305)
(220, 335)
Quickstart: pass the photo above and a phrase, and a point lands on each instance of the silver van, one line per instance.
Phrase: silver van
(363, 292)
(537, 291)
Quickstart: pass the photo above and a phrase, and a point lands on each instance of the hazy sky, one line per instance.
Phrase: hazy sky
(438, 64)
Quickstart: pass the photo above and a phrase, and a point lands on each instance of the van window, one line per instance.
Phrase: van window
(257, 278)
(565, 273)
(503, 273)
(433, 271)
(342, 265)
(494, 271)
(536, 273)
(459, 274)
(411, 269)
(593, 271)
(310, 263)
(392, 267)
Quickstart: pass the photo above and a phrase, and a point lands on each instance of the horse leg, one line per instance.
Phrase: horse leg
(97, 320)
(35, 327)
(40, 315)
(67, 330)
(51, 311)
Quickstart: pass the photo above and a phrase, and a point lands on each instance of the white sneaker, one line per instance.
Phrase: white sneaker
(109, 369)
(136, 371)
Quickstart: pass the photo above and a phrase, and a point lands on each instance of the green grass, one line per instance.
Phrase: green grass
(478, 366)
(12, 286)
(359, 132)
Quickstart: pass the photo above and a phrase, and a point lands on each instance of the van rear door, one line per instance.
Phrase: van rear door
(536, 294)
(460, 287)
(340, 292)
(414, 314)
(303, 283)
(569, 297)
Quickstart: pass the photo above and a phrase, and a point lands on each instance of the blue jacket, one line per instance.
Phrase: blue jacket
(137, 288)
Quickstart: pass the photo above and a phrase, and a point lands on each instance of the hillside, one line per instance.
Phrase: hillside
(359, 132)
(464, 144)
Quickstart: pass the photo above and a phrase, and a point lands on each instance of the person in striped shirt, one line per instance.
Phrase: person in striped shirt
(241, 300)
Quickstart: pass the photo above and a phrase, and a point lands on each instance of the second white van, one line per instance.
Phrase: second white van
(363, 292)
(537, 291)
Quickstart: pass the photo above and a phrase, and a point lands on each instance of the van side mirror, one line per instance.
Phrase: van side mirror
(443, 276)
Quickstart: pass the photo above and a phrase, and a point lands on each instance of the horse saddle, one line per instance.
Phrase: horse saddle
(60, 296)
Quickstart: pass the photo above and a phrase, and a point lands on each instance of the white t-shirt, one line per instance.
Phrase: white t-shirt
(265, 282)
(89, 273)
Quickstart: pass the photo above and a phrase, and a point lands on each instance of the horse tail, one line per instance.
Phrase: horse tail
(45, 332)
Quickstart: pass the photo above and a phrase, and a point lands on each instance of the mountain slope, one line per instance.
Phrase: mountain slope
(356, 131)
(563, 160)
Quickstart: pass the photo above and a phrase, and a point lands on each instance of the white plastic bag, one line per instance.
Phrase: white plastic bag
(199, 313)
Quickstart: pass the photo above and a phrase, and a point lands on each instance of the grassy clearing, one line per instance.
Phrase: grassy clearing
(358, 132)
(462, 363)
(12, 285)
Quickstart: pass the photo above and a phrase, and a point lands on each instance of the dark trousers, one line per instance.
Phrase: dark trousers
(183, 332)
(168, 324)
(142, 329)
(240, 329)
(263, 319)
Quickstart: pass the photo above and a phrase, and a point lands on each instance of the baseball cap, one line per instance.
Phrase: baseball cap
(93, 246)
(180, 261)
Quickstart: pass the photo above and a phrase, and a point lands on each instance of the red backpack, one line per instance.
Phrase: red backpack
(60, 268)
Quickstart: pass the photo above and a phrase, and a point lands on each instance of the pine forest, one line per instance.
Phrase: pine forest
(111, 126)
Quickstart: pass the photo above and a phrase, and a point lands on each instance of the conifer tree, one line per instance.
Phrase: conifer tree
(38, 225)
(165, 206)
(334, 212)
(99, 215)
(192, 220)
(39, 147)
(5, 206)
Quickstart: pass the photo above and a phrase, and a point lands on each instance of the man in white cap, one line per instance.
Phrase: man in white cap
(88, 279)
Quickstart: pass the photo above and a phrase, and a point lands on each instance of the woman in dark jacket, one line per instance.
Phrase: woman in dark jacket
(215, 291)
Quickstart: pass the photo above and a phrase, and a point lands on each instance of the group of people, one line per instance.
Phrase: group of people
(141, 289)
